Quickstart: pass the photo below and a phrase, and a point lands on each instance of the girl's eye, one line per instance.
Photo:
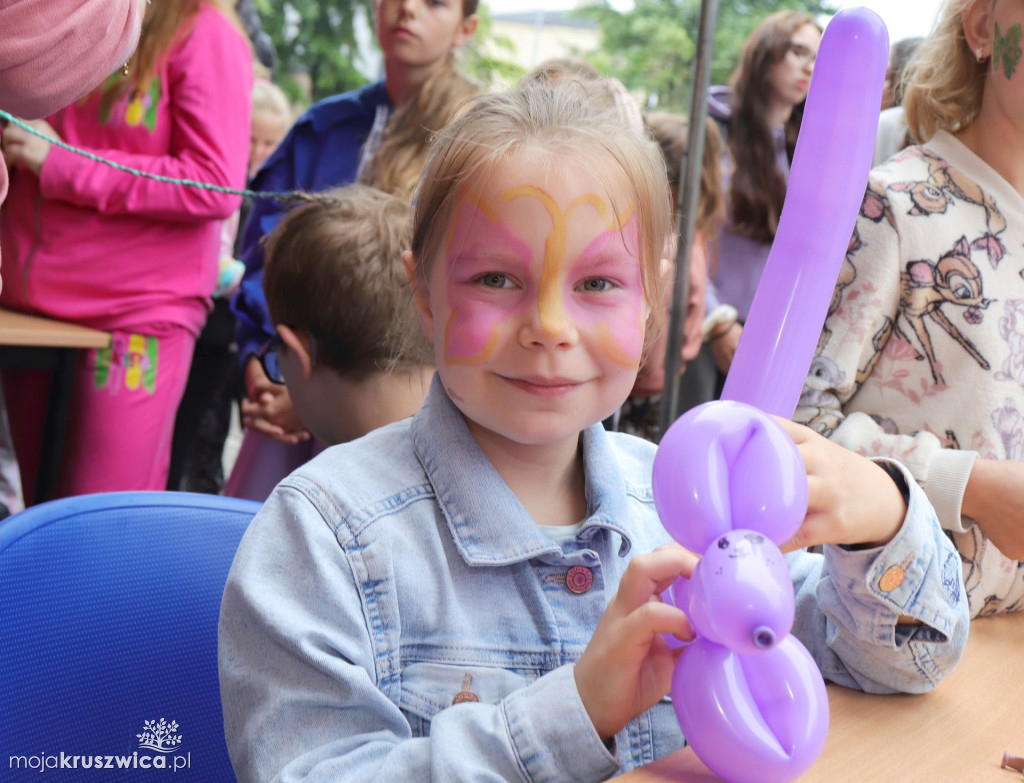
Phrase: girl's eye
(494, 280)
(596, 285)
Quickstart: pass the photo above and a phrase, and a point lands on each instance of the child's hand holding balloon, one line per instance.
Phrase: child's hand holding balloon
(850, 499)
(627, 667)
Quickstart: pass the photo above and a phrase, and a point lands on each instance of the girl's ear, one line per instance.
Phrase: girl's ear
(978, 26)
(298, 343)
(420, 293)
(465, 31)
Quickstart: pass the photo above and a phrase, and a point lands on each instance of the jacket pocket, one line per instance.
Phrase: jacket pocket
(428, 688)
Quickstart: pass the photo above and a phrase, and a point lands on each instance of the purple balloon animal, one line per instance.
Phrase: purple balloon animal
(729, 482)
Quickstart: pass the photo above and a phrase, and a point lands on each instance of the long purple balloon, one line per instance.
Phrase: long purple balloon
(749, 697)
(825, 190)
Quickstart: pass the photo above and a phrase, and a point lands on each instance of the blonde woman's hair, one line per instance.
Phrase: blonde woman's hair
(396, 165)
(558, 125)
(944, 82)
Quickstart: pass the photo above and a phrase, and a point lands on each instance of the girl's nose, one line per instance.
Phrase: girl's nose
(548, 323)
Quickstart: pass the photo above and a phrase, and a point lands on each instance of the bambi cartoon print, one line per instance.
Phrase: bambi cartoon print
(926, 288)
(944, 186)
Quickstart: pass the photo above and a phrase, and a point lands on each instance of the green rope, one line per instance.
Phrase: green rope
(283, 197)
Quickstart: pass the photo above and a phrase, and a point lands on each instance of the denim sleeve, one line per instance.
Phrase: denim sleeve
(299, 673)
(849, 603)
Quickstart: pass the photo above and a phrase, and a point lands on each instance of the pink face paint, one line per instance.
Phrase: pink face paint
(479, 243)
(618, 316)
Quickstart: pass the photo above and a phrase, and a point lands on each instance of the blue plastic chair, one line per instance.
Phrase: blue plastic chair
(108, 635)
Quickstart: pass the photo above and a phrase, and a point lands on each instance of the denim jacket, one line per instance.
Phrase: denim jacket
(393, 613)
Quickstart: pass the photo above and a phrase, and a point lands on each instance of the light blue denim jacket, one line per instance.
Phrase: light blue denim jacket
(395, 575)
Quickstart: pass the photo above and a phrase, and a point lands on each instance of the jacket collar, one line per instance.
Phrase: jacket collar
(340, 108)
(488, 524)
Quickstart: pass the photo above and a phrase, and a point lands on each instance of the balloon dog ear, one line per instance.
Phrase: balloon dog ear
(727, 466)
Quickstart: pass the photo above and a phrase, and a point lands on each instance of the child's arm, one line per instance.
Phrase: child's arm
(885, 609)
(994, 499)
(208, 126)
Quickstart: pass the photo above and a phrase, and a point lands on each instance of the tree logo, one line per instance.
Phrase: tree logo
(159, 736)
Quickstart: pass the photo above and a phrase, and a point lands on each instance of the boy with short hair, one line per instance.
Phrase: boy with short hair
(348, 343)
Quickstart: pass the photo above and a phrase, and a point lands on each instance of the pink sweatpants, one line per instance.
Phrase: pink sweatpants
(121, 419)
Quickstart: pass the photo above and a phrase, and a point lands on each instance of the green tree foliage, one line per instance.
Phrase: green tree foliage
(318, 37)
(651, 47)
(488, 57)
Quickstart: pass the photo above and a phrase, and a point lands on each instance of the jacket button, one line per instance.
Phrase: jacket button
(579, 579)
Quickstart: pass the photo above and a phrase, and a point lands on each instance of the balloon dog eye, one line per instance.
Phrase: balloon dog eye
(723, 542)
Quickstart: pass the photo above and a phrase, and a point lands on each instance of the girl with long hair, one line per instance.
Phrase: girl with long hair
(759, 115)
(87, 243)
(471, 593)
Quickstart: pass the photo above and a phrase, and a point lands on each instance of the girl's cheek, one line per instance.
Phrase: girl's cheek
(474, 328)
(619, 330)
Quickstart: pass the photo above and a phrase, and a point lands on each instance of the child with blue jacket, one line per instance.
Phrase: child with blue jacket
(471, 594)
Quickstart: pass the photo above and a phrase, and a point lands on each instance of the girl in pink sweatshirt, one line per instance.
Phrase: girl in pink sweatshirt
(87, 243)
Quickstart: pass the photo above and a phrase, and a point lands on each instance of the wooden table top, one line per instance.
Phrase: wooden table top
(958, 732)
(21, 329)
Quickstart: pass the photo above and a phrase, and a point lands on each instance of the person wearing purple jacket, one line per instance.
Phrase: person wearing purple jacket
(759, 115)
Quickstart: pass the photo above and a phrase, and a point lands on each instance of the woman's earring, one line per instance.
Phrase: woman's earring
(977, 54)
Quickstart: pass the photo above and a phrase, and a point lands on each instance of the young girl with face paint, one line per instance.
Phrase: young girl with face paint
(471, 594)
(922, 355)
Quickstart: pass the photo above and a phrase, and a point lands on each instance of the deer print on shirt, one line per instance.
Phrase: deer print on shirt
(926, 287)
(943, 188)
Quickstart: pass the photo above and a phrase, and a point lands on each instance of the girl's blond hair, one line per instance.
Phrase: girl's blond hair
(397, 163)
(557, 125)
(268, 98)
(943, 80)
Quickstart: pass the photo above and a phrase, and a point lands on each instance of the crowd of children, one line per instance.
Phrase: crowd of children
(455, 572)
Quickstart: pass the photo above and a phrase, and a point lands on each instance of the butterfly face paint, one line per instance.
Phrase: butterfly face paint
(601, 289)
(536, 300)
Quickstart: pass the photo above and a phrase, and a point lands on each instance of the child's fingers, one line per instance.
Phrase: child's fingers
(650, 574)
(655, 618)
(264, 427)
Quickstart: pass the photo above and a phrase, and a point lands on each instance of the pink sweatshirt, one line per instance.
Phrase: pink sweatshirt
(100, 247)
(55, 51)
